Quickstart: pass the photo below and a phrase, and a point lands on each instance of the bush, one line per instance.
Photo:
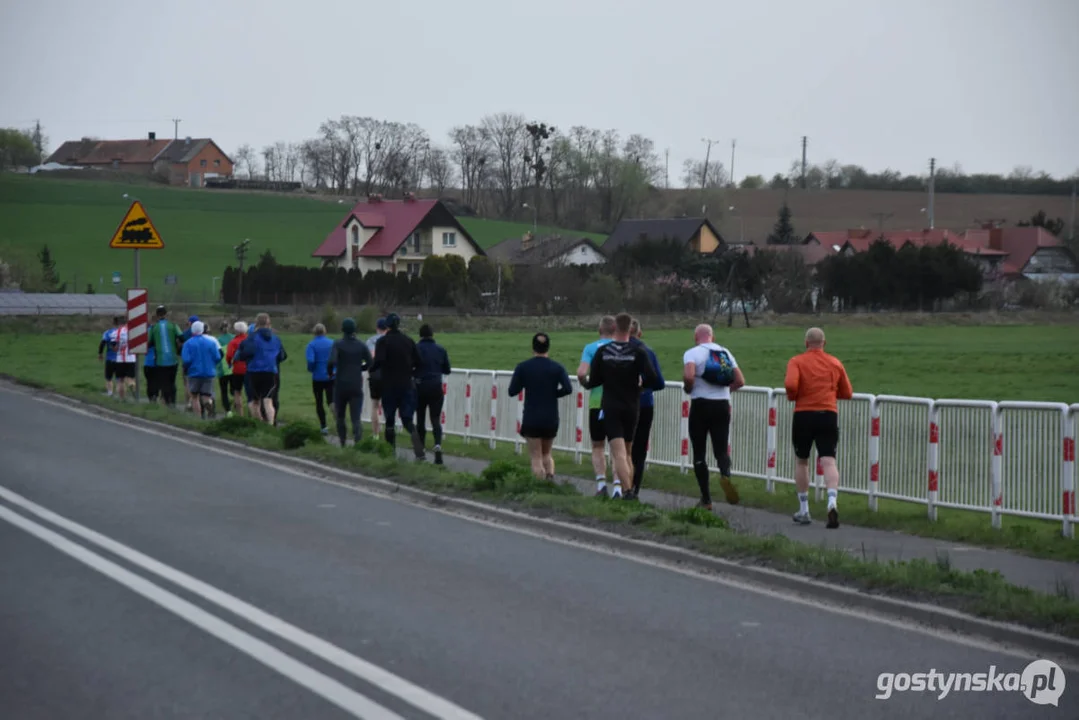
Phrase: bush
(237, 426)
(297, 434)
(513, 479)
(329, 319)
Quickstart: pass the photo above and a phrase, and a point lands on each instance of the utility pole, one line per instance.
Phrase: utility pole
(241, 253)
(733, 143)
(932, 187)
(1071, 233)
(176, 128)
(707, 157)
(805, 141)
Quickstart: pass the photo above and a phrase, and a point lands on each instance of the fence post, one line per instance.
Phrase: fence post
(770, 441)
(874, 451)
(520, 418)
(468, 406)
(933, 460)
(996, 468)
(579, 439)
(1067, 469)
(445, 393)
(683, 432)
(494, 409)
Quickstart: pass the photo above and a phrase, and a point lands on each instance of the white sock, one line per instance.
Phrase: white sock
(601, 482)
(803, 503)
(617, 492)
(438, 448)
(832, 496)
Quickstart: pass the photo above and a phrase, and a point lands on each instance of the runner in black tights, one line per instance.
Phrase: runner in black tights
(434, 364)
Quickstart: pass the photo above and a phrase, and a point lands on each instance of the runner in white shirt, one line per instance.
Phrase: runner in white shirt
(710, 373)
(125, 363)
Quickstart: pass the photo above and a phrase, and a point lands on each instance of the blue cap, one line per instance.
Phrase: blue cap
(381, 324)
(193, 318)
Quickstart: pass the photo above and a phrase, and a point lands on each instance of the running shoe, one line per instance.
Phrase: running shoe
(704, 505)
(833, 519)
(602, 493)
(729, 489)
(438, 456)
(802, 518)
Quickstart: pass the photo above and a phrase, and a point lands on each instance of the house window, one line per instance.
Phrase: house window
(414, 269)
(449, 239)
(355, 235)
(416, 243)
(217, 163)
(202, 163)
(355, 263)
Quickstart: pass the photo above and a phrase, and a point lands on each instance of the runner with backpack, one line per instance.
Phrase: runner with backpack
(710, 374)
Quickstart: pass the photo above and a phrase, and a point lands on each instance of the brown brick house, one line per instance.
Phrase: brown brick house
(186, 161)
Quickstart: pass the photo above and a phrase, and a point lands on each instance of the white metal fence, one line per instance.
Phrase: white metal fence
(1001, 458)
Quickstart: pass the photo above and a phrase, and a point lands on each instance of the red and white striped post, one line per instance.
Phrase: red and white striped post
(770, 441)
(1068, 469)
(874, 452)
(996, 468)
(468, 405)
(494, 409)
(138, 330)
(730, 434)
(579, 437)
(933, 461)
(520, 419)
(683, 433)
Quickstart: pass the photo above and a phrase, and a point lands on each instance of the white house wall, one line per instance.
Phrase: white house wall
(580, 255)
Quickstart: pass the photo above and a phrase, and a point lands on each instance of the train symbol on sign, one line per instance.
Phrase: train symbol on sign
(136, 231)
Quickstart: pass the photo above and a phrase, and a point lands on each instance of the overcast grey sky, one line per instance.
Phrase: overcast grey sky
(989, 84)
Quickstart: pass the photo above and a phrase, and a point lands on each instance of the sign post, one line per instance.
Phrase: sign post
(136, 232)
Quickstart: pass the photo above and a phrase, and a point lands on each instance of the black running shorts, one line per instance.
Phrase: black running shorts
(125, 370)
(374, 388)
(620, 424)
(813, 427)
(539, 433)
(236, 382)
(597, 431)
(262, 384)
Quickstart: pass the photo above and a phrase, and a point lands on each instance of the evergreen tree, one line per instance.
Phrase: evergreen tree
(49, 278)
(783, 232)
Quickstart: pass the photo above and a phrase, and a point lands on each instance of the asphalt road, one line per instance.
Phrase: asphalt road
(429, 615)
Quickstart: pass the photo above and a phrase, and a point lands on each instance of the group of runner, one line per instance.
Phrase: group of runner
(405, 380)
(621, 373)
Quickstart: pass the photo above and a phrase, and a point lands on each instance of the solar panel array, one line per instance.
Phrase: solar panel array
(18, 303)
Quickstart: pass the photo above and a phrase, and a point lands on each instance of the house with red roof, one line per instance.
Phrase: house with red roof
(183, 161)
(395, 236)
(1002, 252)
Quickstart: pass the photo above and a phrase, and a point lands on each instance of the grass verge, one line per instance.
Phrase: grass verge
(1029, 536)
(508, 483)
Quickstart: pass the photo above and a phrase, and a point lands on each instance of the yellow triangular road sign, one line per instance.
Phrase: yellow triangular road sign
(136, 232)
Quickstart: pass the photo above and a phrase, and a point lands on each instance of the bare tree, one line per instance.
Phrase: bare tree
(245, 160)
(695, 174)
(508, 141)
(438, 169)
(471, 153)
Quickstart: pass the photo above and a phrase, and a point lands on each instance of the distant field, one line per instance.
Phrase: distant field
(492, 232)
(994, 363)
(76, 218)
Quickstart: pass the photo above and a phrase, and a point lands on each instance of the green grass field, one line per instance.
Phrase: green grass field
(993, 363)
(76, 219)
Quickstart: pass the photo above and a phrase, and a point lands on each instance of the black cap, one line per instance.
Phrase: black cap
(393, 321)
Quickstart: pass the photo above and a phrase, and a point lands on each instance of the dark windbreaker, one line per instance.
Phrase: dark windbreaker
(349, 358)
(434, 363)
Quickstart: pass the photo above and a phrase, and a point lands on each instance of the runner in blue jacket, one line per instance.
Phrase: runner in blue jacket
(318, 358)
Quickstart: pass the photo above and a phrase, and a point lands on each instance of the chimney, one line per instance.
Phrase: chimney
(374, 199)
(187, 140)
(153, 136)
(526, 240)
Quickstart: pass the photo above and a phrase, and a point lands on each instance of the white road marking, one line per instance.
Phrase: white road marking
(757, 589)
(327, 505)
(366, 671)
(325, 687)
